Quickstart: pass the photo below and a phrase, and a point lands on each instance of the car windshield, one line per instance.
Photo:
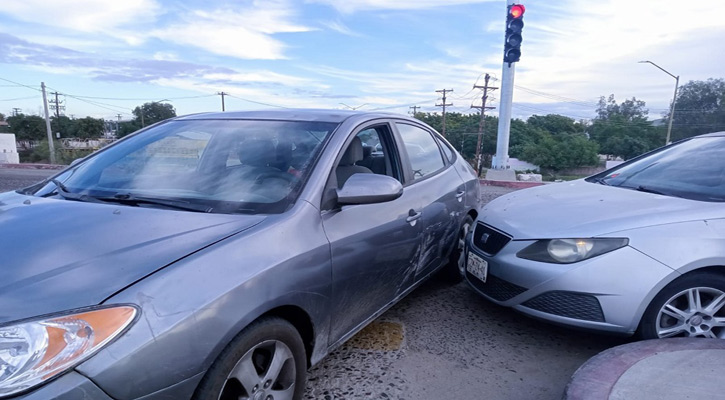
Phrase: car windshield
(693, 169)
(220, 166)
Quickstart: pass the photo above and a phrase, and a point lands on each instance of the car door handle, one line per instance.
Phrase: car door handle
(413, 216)
(460, 194)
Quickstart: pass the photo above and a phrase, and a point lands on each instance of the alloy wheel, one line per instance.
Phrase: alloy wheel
(694, 312)
(265, 372)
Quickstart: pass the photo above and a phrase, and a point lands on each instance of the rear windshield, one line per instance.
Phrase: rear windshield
(693, 169)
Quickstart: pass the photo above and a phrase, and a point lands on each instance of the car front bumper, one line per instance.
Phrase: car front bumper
(69, 386)
(605, 293)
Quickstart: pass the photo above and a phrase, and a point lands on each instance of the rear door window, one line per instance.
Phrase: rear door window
(424, 155)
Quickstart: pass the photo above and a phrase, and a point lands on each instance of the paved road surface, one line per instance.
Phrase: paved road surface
(441, 342)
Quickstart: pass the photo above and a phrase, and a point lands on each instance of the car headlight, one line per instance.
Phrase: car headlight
(34, 351)
(567, 251)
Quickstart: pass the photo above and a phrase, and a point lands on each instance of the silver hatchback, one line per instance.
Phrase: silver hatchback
(636, 249)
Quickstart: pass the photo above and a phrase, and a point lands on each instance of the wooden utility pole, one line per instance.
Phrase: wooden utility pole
(415, 110)
(222, 94)
(51, 145)
(483, 109)
(444, 105)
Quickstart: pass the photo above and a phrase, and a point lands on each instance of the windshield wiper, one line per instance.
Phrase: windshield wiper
(646, 189)
(601, 181)
(63, 192)
(129, 199)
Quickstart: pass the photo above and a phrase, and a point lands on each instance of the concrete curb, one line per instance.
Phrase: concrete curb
(510, 184)
(33, 166)
(596, 378)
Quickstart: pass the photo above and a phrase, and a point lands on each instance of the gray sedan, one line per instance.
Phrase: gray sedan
(220, 255)
(636, 249)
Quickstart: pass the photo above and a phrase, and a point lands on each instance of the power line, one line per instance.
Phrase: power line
(20, 98)
(255, 102)
(20, 84)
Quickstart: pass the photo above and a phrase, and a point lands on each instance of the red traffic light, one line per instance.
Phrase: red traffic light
(517, 10)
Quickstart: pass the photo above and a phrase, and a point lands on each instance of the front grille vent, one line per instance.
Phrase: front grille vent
(489, 240)
(567, 304)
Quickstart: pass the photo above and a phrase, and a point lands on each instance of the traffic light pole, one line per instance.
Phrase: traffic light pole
(504, 109)
(504, 116)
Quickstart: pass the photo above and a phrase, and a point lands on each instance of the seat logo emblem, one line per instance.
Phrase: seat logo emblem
(484, 237)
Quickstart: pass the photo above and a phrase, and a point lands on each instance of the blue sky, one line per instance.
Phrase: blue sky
(107, 57)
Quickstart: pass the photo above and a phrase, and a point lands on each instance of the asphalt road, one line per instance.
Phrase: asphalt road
(441, 342)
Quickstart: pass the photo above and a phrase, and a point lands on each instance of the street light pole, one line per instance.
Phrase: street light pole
(674, 99)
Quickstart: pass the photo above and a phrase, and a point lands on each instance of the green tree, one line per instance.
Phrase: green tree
(153, 112)
(27, 127)
(462, 132)
(562, 151)
(700, 109)
(623, 130)
(88, 128)
(556, 124)
(3, 127)
(62, 125)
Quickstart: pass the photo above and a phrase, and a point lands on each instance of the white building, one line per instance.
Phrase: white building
(8, 149)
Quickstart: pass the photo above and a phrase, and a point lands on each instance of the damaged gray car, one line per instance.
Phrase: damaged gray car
(221, 255)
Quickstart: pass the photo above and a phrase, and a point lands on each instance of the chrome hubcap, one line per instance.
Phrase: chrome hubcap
(696, 312)
(265, 372)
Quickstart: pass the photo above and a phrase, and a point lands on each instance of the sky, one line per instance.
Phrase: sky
(106, 57)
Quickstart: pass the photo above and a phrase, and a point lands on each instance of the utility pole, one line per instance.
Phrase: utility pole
(483, 109)
(444, 105)
(56, 106)
(222, 94)
(118, 123)
(16, 111)
(415, 110)
(51, 145)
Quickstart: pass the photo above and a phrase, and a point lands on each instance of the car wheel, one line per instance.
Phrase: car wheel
(692, 306)
(455, 270)
(266, 361)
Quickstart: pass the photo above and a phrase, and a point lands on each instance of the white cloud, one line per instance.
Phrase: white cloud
(339, 27)
(82, 15)
(350, 6)
(244, 33)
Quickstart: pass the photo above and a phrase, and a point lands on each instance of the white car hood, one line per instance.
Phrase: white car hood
(584, 209)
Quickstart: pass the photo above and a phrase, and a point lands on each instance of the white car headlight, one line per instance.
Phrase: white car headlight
(567, 251)
(34, 351)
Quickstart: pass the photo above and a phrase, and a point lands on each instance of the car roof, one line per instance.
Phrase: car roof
(714, 134)
(292, 114)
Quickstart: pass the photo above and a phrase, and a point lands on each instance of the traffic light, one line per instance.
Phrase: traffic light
(514, 26)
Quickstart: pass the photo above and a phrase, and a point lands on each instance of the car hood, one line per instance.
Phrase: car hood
(59, 255)
(585, 209)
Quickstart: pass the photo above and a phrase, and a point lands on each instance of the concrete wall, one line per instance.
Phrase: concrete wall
(8, 149)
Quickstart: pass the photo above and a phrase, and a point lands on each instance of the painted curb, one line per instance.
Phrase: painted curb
(596, 378)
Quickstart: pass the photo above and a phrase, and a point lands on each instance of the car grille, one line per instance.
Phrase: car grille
(566, 304)
(496, 288)
(489, 240)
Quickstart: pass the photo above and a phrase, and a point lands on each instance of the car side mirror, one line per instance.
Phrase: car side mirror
(369, 189)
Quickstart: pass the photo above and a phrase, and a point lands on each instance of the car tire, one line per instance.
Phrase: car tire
(455, 269)
(268, 357)
(691, 306)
